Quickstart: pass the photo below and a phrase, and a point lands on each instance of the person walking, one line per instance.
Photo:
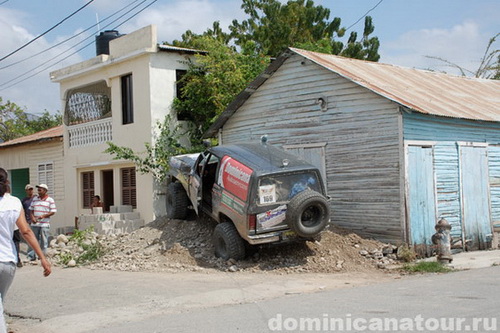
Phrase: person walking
(11, 215)
(42, 208)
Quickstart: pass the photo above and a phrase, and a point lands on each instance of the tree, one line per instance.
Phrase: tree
(155, 158)
(273, 26)
(213, 80)
(489, 67)
(15, 122)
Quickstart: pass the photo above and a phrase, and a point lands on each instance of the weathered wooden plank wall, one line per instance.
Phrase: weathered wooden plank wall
(362, 135)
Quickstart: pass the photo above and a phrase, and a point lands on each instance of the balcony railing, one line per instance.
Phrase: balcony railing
(91, 133)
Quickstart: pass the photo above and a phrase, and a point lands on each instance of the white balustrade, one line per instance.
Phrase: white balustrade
(91, 133)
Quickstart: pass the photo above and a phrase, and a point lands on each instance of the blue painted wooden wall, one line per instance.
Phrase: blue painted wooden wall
(447, 133)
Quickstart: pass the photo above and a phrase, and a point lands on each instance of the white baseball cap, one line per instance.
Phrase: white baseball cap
(43, 186)
(28, 186)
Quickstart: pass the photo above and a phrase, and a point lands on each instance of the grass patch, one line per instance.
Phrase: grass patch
(427, 267)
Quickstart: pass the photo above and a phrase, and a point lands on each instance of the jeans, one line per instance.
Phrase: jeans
(7, 271)
(42, 235)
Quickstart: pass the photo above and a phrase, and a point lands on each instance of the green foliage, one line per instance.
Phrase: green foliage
(154, 160)
(213, 81)
(15, 122)
(92, 249)
(427, 267)
(274, 26)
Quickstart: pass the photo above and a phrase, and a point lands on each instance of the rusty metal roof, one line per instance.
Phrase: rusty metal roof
(423, 91)
(419, 90)
(49, 134)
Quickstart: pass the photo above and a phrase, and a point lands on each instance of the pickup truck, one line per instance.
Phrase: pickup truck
(257, 193)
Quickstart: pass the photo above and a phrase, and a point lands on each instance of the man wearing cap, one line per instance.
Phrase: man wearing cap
(42, 208)
(26, 202)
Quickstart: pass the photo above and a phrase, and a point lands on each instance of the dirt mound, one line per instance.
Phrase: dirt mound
(176, 245)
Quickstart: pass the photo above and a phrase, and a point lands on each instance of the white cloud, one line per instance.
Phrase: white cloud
(36, 92)
(462, 44)
(174, 18)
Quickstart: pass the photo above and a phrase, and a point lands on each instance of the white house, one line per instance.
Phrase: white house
(117, 97)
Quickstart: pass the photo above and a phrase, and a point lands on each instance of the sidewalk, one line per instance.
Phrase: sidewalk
(473, 259)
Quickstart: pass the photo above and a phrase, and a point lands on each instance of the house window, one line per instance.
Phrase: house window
(179, 85)
(88, 103)
(46, 175)
(127, 100)
(87, 188)
(129, 196)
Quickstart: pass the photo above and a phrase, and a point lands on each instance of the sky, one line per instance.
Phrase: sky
(410, 32)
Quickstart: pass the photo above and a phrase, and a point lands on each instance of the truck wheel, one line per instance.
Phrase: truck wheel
(177, 201)
(227, 242)
(308, 213)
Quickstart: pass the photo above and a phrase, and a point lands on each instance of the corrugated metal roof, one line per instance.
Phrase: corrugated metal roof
(419, 90)
(423, 91)
(48, 134)
(166, 47)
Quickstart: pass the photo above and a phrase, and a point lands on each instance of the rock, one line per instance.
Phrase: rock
(233, 268)
(363, 253)
(71, 263)
(62, 239)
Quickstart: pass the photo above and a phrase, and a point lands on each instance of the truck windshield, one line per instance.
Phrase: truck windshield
(281, 188)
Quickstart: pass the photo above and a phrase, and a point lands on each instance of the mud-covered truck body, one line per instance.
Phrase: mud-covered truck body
(256, 192)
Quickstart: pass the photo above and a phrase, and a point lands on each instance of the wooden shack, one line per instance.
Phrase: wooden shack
(400, 147)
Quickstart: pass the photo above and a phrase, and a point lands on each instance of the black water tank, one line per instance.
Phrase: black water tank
(102, 41)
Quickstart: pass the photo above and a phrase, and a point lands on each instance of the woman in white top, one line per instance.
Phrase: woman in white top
(12, 214)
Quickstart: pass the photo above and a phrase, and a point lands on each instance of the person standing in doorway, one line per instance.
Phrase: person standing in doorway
(12, 214)
(42, 208)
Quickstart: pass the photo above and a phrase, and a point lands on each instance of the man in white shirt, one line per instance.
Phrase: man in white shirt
(42, 208)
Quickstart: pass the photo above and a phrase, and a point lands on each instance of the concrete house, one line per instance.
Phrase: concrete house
(400, 147)
(117, 96)
(36, 159)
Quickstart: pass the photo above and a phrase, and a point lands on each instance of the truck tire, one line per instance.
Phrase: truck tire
(227, 242)
(177, 201)
(308, 213)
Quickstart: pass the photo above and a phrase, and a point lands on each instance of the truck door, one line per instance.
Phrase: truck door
(194, 186)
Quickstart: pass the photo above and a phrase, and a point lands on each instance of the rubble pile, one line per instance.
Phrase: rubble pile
(176, 245)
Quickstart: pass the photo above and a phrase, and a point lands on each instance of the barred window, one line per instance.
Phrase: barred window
(88, 103)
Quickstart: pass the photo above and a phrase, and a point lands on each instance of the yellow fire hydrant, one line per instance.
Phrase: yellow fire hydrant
(442, 240)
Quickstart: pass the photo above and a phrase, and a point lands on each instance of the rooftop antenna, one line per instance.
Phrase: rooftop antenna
(98, 26)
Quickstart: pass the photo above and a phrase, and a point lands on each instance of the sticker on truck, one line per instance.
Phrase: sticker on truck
(271, 217)
(235, 177)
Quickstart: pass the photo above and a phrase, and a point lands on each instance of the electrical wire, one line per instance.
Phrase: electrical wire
(44, 33)
(1, 3)
(17, 81)
(70, 38)
(362, 17)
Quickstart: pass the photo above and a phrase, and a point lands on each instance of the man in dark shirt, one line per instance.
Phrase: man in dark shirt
(26, 205)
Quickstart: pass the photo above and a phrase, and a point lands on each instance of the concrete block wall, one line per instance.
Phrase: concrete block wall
(120, 220)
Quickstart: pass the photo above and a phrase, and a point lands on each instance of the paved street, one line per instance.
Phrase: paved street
(81, 300)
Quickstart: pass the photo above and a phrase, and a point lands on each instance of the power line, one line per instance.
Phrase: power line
(72, 37)
(362, 17)
(1, 3)
(17, 81)
(34, 39)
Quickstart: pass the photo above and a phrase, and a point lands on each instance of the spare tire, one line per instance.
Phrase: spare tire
(177, 201)
(308, 213)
